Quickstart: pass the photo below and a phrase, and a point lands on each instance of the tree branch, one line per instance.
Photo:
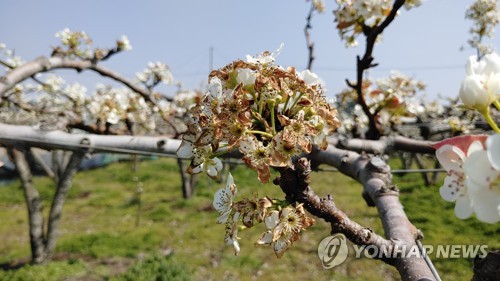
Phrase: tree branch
(43, 64)
(366, 62)
(30, 137)
(309, 43)
(385, 145)
(374, 174)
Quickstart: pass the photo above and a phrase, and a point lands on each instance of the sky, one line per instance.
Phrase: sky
(423, 43)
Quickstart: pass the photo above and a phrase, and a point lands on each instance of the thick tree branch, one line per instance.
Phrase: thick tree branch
(43, 64)
(295, 184)
(384, 145)
(374, 174)
(30, 137)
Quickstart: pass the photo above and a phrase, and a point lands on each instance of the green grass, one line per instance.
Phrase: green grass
(100, 240)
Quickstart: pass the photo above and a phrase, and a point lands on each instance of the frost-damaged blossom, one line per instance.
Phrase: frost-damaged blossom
(284, 227)
(473, 180)
(253, 209)
(269, 113)
(223, 203)
(223, 199)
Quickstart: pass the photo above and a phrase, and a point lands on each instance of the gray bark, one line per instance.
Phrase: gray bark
(34, 204)
(63, 186)
(187, 188)
(30, 137)
(374, 174)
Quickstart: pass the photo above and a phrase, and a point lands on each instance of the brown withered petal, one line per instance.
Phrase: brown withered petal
(264, 174)
(305, 102)
(283, 120)
(305, 144)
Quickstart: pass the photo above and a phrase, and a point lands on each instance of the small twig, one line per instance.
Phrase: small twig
(309, 43)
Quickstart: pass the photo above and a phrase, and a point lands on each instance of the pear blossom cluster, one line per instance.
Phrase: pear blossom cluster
(284, 222)
(9, 58)
(319, 5)
(77, 44)
(352, 15)
(155, 73)
(485, 17)
(54, 104)
(269, 113)
(392, 100)
(473, 180)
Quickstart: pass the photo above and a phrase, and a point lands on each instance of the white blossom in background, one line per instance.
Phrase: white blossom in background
(123, 44)
(9, 57)
(265, 57)
(53, 83)
(77, 43)
(485, 17)
(155, 73)
(319, 5)
(352, 14)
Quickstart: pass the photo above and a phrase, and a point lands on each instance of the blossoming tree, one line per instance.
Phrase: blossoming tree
(275, 117)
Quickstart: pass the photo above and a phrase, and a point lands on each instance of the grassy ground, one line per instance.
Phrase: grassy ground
(179, 240)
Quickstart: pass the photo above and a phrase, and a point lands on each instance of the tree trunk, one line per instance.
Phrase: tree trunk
(63, 186)
(34, 204)
(187, 181)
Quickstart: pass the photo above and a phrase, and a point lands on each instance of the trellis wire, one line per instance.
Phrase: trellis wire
(104, 149)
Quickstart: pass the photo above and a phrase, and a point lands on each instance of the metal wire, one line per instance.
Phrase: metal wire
(169, 155)
(97, 147)
(428, 261)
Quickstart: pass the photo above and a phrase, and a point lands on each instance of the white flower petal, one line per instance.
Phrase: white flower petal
(493, 150)
(463, 208)
(212, 170)
(221, 200)
(475, 146)
(272, 219)
(197, 169)
(450, 189)
(223, 217)
(487, 206)
(215, 88)
(450, 157)
(310, 78)
(492, 63)
(230, 183)
(266, 238)
(246, 76)
(185, 150)
(480, 175)
(280, 247)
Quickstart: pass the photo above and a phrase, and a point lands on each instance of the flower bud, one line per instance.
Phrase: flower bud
(473, 93)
